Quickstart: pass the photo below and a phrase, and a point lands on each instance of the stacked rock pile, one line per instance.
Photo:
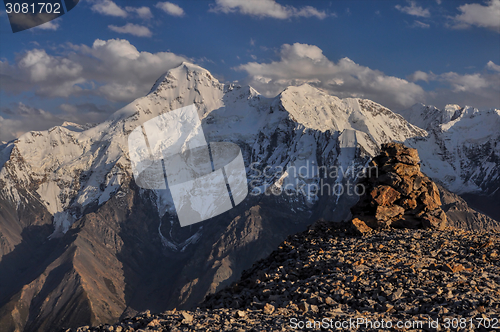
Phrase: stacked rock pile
(397, 193)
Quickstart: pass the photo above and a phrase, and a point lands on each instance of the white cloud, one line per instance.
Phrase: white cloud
(479, 15)
(108, 7)
(10, 129)
(302, 63)
(414, 10)
(170, 8)
(20, 118)
(492, 66)
(133, 29)
(481, 89)
(418, 24)
(464, 83)
(142, 12)
(421, 76)
(266, 8)
(113, 69)
(52, 25)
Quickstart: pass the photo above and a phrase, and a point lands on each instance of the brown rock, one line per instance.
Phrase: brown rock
(401, 152)
(390, 178)
(418, 181)
(429, 201)
(453, 268)
(385, 213)
(268, 309)
(154, 323)
(402, 169)
(188, 318)
(360, 226)
(407, 159)
(432, 221)
(408, 203)
(384, 195)
(406, 186)
(241, 314)
(433, 191)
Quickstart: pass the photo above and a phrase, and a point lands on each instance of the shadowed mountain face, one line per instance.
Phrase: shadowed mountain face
(82, 244)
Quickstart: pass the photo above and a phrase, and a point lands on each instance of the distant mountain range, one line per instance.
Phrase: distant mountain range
(82, 244)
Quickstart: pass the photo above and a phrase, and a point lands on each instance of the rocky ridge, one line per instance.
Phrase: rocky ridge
(330, 272)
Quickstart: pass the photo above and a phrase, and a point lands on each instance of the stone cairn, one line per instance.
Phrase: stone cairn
(397, 194)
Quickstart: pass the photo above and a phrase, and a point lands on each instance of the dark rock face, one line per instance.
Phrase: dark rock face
(461, 215)
(399, 195)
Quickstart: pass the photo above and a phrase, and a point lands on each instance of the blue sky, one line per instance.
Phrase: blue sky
(103, 54)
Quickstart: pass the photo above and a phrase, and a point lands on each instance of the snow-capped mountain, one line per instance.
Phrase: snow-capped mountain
(462, 149)
(113, 245)
(70, 167)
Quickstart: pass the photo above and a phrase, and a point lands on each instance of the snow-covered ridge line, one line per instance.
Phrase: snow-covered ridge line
(463, 147)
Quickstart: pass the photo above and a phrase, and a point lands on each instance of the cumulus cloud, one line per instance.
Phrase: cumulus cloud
(421, 76)
(20, 118)
(266, 8)
(414, 10)
(142, 12)
(108, 7)
(302, 63)
(170, 8)
(133, 29)
(481, 89)
(478, 15)
(10, 129)
(492, 66)
(113, 69)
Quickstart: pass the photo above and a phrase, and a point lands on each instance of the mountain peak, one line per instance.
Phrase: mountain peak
(303, 89)
(182, 73)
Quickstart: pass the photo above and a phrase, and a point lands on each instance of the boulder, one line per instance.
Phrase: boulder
(360, 226)
(385, 213)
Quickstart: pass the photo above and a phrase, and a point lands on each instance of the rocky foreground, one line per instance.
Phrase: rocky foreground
(397, 265)
(329, 272)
